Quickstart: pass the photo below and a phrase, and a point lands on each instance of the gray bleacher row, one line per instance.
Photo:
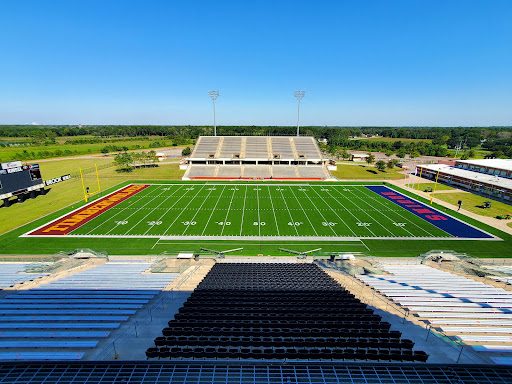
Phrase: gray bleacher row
(205, 146)
(75, 311)
(257, 171)
(12, 274)
(455, 304)
(256, 147)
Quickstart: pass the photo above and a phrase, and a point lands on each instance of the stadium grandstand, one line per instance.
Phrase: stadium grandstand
(256, 158)
(218, 319)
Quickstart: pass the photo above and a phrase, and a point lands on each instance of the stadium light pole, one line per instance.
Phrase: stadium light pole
(299, 95)
(214, 95)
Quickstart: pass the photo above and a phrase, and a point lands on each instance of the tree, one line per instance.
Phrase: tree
(414, 154)
(381, 165)
(186, 151)
(471, 153)
(464, 156)
(123, 161)
(370, 159)
(401, 153)
(390, 164)
(345, 154)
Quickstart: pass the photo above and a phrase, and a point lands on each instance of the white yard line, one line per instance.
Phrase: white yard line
(151, 211)
(168, 209)
(258, 201)
(243, 212)
(345, 208)
(184, 208)
(305, 214)
(336, 213)
(383, 214)
(213, 211)
(135, 201)
(367, 214)
(137, 210)
(227, 214)
(201, 206)
(291, 218)
(314, 205)
(395, 205)
(273, 210)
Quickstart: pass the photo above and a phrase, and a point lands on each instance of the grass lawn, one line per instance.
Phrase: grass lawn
(68, 192)
(440, 187)
(8, 153)
(365, 172)
(473, 202)
(510, 225)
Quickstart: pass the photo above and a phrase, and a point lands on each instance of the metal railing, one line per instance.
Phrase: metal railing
(441, 335)
(171, 294)
(353, 280)
(112, 346)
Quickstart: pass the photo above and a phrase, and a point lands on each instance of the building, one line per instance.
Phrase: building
(492, 177)
(256, 158)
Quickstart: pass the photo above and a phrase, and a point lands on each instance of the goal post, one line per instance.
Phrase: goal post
(86, 188)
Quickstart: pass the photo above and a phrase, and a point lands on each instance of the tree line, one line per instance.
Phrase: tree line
(495, 139)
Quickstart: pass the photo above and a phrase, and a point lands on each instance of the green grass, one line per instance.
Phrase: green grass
(11, 243)
(9, 153)
(473, 203)
(365, 172)
(258, 210)
(509, 225)
(69, 192)
(440, 187)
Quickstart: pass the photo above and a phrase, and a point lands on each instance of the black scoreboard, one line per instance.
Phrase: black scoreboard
(17, 179)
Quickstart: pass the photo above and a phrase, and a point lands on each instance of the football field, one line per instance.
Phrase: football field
(260, 211)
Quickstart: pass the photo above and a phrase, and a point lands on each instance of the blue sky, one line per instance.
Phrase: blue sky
(446, 63)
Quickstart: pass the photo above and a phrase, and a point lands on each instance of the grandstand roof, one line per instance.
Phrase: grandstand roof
(256, 148)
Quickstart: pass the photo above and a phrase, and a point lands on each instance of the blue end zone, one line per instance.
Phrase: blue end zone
(447, 223)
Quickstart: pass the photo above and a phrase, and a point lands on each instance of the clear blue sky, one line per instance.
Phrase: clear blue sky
(409, 62)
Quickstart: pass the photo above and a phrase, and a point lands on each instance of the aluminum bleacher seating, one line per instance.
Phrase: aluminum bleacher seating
(311, 171)
(469, 310)
(230, 171)
(284, 172)
(257, 171)
(277, 311)
(206, 146)
(202, 171)
(307, 146)
(77, 310)
(13, 273)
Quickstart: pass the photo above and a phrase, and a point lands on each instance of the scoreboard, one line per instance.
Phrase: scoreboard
(17, 179)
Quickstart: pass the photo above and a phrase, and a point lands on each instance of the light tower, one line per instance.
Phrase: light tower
(299, 95)
(214, 95)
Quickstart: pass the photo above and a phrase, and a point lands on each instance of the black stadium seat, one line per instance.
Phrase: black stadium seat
(278, 311)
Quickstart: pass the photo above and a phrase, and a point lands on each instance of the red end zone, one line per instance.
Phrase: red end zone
(72, 221)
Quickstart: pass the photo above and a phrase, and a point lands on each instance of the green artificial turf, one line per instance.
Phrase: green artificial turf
(298, 216)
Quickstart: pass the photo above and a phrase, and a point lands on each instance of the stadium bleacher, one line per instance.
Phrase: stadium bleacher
(13, 273)
(256, 157)
(470, 311)
(76, 311)
(278, 311)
